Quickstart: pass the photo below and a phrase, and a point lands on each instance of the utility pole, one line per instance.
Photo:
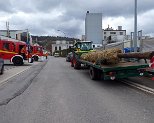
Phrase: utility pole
(62, 32)
(135, 27)
(7, 28)
(27, 42)
(27, 37)
(67, 42)
(132, 38)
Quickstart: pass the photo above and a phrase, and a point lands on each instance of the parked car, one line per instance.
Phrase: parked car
(1, 66)
(56, 55)
(69, 56)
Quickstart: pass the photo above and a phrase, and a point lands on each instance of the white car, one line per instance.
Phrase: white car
(56, 55)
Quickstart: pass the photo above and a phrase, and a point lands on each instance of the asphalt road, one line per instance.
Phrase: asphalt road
(8, 67)
(54, 92)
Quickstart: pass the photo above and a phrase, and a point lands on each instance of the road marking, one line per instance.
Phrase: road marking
(5, 80)
(139, 86)
(6, 76)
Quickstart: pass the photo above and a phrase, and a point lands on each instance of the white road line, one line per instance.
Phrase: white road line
(8, 74)
(5, 80)
(139, 86)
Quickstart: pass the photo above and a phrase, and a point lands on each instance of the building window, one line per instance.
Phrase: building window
(104, 32)
(59, 47)
(55, 48)
(104, 37)
(121, 33)
(16, 36)
(112, 32)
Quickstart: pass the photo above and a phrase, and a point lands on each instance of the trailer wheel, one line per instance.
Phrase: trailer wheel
(76, 63)
(17, 61)
(2, 70)
(72, 65)
(93, 73)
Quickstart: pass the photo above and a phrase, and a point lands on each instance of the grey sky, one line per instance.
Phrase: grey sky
(45, 17)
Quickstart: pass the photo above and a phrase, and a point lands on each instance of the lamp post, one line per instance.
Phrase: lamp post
(62, 32)
(66, 41)
(27, 37)
(28, 44)
(135, 27)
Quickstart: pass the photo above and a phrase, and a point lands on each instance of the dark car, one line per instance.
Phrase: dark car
(69, 56)
(1, 66)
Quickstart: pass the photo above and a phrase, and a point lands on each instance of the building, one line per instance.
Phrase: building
(111, 35)
(60, 45)
(83, 38)
(12, 33)
(93, 27)
(16, 34)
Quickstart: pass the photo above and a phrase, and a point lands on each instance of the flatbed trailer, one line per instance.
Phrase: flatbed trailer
(117, 71)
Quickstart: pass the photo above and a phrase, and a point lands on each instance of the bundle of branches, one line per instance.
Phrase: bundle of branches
(105, 57)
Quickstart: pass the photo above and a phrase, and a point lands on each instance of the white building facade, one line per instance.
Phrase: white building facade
(93, 27)
(114, 35)
(15, 34)
(60, 45)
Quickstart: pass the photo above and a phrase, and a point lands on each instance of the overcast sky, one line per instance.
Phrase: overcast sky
(45, 17)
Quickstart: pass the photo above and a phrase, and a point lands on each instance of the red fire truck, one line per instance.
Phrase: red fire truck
(37, 52)
(13, 51)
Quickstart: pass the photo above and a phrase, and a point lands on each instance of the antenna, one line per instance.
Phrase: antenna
(7, 28)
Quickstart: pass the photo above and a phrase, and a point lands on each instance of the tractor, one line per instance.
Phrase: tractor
(79, 48)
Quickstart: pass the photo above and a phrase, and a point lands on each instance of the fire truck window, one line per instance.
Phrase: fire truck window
(6, 46)
(12, 47)
(39, 49)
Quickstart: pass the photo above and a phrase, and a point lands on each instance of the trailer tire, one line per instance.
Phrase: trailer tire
(72, 65)
(17, 61)
(77, 64)
(2, 70)
(93, 73)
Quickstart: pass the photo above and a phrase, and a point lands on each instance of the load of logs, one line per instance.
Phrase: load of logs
(112, 56)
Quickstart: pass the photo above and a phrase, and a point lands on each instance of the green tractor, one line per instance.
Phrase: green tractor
(80, 47)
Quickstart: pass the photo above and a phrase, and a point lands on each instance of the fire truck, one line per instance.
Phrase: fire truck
(37, 52)
(13, 51)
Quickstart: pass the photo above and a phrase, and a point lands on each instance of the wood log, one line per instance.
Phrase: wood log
(145, 55)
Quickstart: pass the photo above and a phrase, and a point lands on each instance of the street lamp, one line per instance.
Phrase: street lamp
(135, 27)
(27, 37)
(28, 44)
(67, 43)
(62, 32)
